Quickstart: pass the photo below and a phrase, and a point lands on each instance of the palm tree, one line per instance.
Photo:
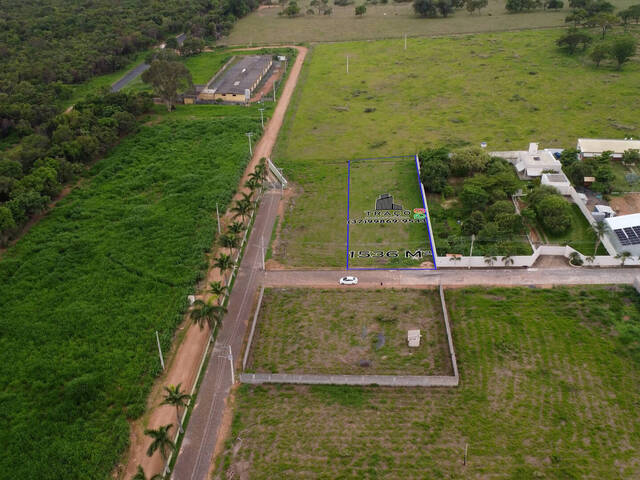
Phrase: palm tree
(508, 260)
(236, 228)
(490, 259)
(224, 263)
(229, 240)
(206, 312)
(600, 228)
(217, 289)
(455, 258)
(140, 475)
(590, 258)
(161, 441)
(253, 184)
(242, 208)
(177, 398)
(261, 168)
(623, 257)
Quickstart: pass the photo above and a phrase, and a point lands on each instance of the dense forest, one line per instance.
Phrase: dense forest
(47, 45)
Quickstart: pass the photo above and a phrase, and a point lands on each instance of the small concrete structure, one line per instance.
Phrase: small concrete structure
(593, 147)
(624, 233)
(413, 338)
(534, 162)
(605, 210)
(559, 181)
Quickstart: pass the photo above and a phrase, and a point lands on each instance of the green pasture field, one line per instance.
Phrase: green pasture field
(503, 88)
(393, 20)
(82, 294)
(333, 331)
(386, 238)
(549, 389)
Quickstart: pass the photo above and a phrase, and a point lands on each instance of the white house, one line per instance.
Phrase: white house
(624, 232)
(592, 147)
(559, 181)
(533, 162)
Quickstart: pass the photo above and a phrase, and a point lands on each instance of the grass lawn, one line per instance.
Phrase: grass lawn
(334, 331)
(549, 389)
(384, 238)
(82, 294)
(620, 183)
(504, 88)
(581, 236)
(384, 21)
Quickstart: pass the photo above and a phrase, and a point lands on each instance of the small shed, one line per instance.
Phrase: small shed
(606, 210)
(413, 338)
(558, 181)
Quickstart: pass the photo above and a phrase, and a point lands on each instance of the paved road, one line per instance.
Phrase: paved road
(198, 445)
(454, 277)
(129, 76)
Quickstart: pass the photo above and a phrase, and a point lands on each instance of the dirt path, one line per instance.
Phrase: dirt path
(189, 348)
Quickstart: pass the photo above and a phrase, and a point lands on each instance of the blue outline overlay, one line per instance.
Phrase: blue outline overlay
(424, 203)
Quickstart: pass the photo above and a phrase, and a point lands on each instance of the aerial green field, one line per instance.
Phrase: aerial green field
(355, 332)
(549, 389)
(394, 20)
(507, 89)
(82, 294)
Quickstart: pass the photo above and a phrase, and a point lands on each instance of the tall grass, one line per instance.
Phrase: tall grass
(83, 293)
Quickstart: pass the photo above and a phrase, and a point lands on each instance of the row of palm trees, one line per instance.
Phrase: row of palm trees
(175, 397)
(210, 313)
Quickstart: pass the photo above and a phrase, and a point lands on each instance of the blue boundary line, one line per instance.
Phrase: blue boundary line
(348, 198)
(423, 203)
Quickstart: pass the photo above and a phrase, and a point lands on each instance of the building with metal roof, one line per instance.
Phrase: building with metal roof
(592, 147)
(238, 82)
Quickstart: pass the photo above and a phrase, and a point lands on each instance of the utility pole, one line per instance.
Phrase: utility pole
(274, 91)
(262, 252)
(249, 137)
(218, 217)
(473, 238)
(262, 117)
(160, 350)
(405, 41)
(347, 63)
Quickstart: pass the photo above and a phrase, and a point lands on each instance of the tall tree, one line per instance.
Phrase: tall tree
(168, 78)
(623, 48)
(600, 229)
(175, 397)
(206, 312)
(217, 289)
(224, 263)
(161, 441)
(623, 257)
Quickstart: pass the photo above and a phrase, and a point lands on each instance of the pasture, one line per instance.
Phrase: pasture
(549, 382)
(82, 294)
(507, 89)
(356, 332)
(392, 20)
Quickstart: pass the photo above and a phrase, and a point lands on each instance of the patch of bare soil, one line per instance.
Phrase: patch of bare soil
(627, 204)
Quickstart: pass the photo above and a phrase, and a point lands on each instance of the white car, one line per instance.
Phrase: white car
(349, 281)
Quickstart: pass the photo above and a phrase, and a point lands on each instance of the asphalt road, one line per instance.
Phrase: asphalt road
(129, 76)
(194, 458)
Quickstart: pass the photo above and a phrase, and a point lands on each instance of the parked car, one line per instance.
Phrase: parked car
(349, 281)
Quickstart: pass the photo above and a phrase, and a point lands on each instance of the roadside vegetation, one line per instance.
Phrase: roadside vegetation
(549, 382)
(361, 332)
(82, 294)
